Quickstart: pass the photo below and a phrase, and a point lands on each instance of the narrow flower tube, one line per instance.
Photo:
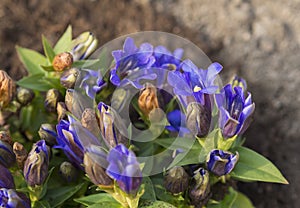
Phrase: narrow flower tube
(176, 180)
(95, 164)
(36, 165)
(112, 128)
(9, 198)
(220, 162)
(125, 169)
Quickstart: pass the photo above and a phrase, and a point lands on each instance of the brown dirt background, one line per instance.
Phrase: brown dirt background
(259, 40)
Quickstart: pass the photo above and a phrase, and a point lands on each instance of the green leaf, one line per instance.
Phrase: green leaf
(41, 204)
(48, 50)
(158, 204)
(96, 199)
(64, 43)
(31, 60)
(241, 199)
(149, 194)
(227, 201)
(59, 195)
(35, 82)
(90, 64)
(255, 167)
(106, 204)
(48, 68)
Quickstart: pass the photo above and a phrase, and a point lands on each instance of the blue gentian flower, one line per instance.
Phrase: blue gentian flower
(92, 81)
(130, 59)
(125, 169)
(6, 179)
(9, 198)
(7, 156)
(36, 165)
(83, 46)
(194, 83)
(166, 59)
(177, 122)
(68, 141)
(235, 110)
(220, 162)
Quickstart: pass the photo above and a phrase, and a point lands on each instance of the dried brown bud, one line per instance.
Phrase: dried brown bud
(148, 99)
(62, 61)
(5, 137)
(21, 154)
(7, 89)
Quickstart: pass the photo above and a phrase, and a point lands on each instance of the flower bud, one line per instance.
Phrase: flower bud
(47, 132)
(238, 82)
(89, 121)
(7, 156)
(94, 165)
(5, 137)
(148, 99)
(200, 188)
(176, 180)
(36, 165)
(61, 110)
(198, 119)
(62, 61)
(10, 198)
(84, 45)
(24, 96)
(7, 89)
(68, 171)
(53, 96)
(220, 162)
(69, 99)
(6, 179)
(111, 127)
(21, 154)
(68, 78)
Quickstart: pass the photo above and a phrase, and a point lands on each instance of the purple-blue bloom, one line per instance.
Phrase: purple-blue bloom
(7, 156)
(124, 168)
(129, 59)
(6, 179)
(9, 198)
(235, 110)
(166, 59)
(194, 83)
(69, 142)
(92, 82)
(221, 162)
(177, 122)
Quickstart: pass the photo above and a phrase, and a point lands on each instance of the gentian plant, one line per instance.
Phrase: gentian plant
(140, 125)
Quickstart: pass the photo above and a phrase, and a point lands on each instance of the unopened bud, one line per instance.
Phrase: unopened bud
(176, 180)
(24, 96)
(5, 137)
(198, 119)
(148, 100)
(89, 121)
(69, 99)
(61, 110)
(68, 171)
(6, 179)
(53, 96)
(84, 45)
(47, 132)
(7, 89)
(200, 188)
(62, 61)
(7, 156)
(238, 82)
(68, 77)
(21, 154)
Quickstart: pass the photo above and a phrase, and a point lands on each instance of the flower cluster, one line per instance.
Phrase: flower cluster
(179, 140)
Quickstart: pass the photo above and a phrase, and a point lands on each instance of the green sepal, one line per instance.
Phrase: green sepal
(225, 144)
(96, 199)
(64, 43)
(48, 50)
(254, 167)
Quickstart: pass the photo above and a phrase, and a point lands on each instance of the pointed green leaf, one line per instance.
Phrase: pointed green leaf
(96, 199)
(31, 60)
(41, 204)
(48, 50)
(90, 64)
(149, 190)
(227, 201)
(255, 167)
(241, 199)
(64, 43)
(158, 204)
(59, 195)
(34, 82)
